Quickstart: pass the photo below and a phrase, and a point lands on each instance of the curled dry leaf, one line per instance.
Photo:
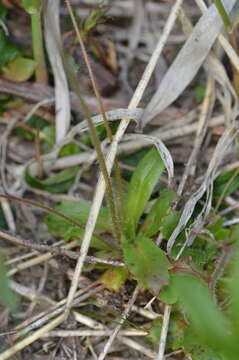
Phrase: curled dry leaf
(188, 61)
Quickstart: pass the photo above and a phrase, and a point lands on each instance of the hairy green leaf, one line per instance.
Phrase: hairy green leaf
(208, 321)
(192, 346)
(147, 263)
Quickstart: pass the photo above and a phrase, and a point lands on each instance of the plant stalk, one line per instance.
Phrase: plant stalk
(38, 50)
(95, 139)
(94, 134)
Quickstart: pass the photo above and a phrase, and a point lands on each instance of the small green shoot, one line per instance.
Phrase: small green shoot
(200, 92)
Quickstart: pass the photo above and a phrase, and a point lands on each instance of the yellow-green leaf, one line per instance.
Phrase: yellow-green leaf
(114, 278)
(20, 69)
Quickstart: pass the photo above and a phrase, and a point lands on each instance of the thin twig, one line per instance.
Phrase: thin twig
(205, 113)
(118, 327)
(42, 318)
(43, 207)
(56, 250)
(30, 339)
(164, 332)
(136, 346)
(88, 332)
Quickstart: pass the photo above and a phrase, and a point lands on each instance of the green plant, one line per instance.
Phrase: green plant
(183, 282)
(13, 65)
(33, 7)
(195, 285)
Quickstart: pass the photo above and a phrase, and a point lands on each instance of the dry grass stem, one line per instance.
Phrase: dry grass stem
(206, 110)
(83, 332)
(118, 327)
(31, 338)
(53, 44)
(136, 346)
(164, 332)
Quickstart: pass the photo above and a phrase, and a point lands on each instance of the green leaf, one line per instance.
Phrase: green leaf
(162, 207)
(218, 229)
(19, 69)
(193, 347)
(77, 234)
(114, 278)
(233, 287)
(234, 235)
(78, 211)
(35, 122)
(200, 92)
(177, 327)
(147, 263)
(68, 22)
(3, 12)
(69, 149)
(168, 294)
(200, 256)
(226, 183)
(143, 181)
(133, 159)
(3, 222)
(48, 137)
(92, 20)
(155, 331)
(176, 331)
(7, 297)
(32, 6)
(4, 100)
(208, 322)
(8, 50)
(55, 184)
(169, 224)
